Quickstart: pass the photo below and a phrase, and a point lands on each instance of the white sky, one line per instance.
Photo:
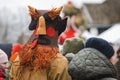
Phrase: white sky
(48, 4)
(113, 32)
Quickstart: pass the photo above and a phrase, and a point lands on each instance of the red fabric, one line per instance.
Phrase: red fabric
(34, 43)
(16, 48)
(2, 75)
(68, 34)
(51, 32)
(2, 79)
(35, 31)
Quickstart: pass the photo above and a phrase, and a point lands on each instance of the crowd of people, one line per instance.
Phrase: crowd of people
(91, 60)
(41, 59)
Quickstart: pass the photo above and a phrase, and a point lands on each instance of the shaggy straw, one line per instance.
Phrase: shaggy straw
(54, 12)
(33, 12)
(38, 58)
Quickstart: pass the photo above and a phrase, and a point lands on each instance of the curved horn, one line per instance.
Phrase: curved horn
(55, 12)
(33, 12)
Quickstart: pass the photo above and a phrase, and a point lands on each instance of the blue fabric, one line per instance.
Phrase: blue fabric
(101, 45)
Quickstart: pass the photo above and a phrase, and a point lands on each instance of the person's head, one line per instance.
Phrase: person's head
(72, 45)
(50, 26)
(90, 64)
(70, 9)
(101, 45)
(44, 41)
(3, 59)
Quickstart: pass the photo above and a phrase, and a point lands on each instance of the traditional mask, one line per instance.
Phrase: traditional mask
(48, 26)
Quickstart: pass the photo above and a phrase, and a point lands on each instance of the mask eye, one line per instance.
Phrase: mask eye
(51, 31)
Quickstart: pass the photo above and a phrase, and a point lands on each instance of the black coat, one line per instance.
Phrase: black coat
(90, 64)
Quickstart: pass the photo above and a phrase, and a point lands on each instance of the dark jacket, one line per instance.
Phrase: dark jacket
(118, 67)
(90, 64)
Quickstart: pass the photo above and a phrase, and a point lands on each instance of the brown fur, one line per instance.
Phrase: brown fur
(39, 57)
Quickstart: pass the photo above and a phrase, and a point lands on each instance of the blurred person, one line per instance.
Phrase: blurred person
(70, 9)
(2, 73)
(7, 48)
(118, 63)
(39, 58)
(101, 45)
(11, 51)
(14, 53)
(91, 64)
(68, 33)
(77, 24)
(94, 62)
(115, 56)
(3, 65)
(118, 52)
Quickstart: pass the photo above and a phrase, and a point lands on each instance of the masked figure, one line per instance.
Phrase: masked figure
(39, 57)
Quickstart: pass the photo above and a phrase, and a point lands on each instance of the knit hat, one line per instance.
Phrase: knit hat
(101, 45)
(72, 45)
(3, 57)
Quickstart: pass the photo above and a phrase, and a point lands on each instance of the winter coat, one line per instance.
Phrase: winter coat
(118, 68)
(57, 71)
(2, 73)
(108, 79)
(90, 64)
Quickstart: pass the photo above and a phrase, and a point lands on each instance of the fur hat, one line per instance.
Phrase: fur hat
(101, 45)
(72, 45)
(3, 57)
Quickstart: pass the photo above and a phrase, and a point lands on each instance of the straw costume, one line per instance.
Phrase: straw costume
(39, 57)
